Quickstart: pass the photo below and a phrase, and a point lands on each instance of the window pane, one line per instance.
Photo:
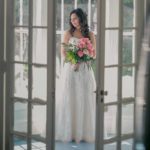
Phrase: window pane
(20, 143)
(68, 7)
(21, 44)
(128, 82)
(21, 80)
(128, 11)
(127, 118)
(111, 84)
(83, 4)
(128, 47)
(40, 12)
(93, 20)
(38, 145)
(39, 121)
(111, 146)
(21, 14)
(111, 47)
(112, 13)
(20, 117)
(40, 46)
(39, 83)
(127, 145)
(110, 121)
(58, 15)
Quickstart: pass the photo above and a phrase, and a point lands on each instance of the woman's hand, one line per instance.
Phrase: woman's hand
(76, 67)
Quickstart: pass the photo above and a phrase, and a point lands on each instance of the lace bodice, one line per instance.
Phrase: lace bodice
(74, 40)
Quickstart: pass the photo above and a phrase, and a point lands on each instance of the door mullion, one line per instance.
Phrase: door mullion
(29, 124)
(51, 55)
(9, 76)
(120, 44)
(100, 73)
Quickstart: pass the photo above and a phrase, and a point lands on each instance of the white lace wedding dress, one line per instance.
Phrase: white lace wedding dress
(75, 103)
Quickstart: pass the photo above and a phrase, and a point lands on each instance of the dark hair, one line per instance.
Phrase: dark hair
(82, 20)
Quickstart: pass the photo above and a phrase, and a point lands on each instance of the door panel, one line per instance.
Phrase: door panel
(116, 73)
(29, 78)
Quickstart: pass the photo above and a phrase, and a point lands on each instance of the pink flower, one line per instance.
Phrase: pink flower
(86, 52)
(81, 45)
(89, 46)
(80, 53)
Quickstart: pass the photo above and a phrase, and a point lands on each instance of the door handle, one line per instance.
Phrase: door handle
(101, 92)
(104, 92)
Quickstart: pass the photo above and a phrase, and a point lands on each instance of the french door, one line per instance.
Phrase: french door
(30, 76)
(118, 33)
(30, 73)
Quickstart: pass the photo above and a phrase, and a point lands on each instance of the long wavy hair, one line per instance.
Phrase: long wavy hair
(82, 20)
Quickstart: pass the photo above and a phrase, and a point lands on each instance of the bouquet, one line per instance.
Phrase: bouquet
(83, 51)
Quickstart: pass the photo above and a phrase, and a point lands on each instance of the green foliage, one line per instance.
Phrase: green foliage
(128, 3)
(127, 71)
(71, 57)
(127, 55)
(127, 50)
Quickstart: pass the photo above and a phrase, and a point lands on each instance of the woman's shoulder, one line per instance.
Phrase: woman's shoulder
(66, 36)
(67, 33)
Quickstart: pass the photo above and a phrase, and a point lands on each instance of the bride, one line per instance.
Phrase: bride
(75, 97)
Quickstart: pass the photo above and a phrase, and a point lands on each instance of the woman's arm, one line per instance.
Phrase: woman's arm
(93, 40)
(66, 38)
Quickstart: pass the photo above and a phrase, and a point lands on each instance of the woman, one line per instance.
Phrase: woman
(75, 101)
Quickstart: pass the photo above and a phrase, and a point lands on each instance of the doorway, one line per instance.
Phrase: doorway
(30, 74)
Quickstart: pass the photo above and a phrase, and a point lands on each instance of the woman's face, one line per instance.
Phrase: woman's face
(75, 20)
